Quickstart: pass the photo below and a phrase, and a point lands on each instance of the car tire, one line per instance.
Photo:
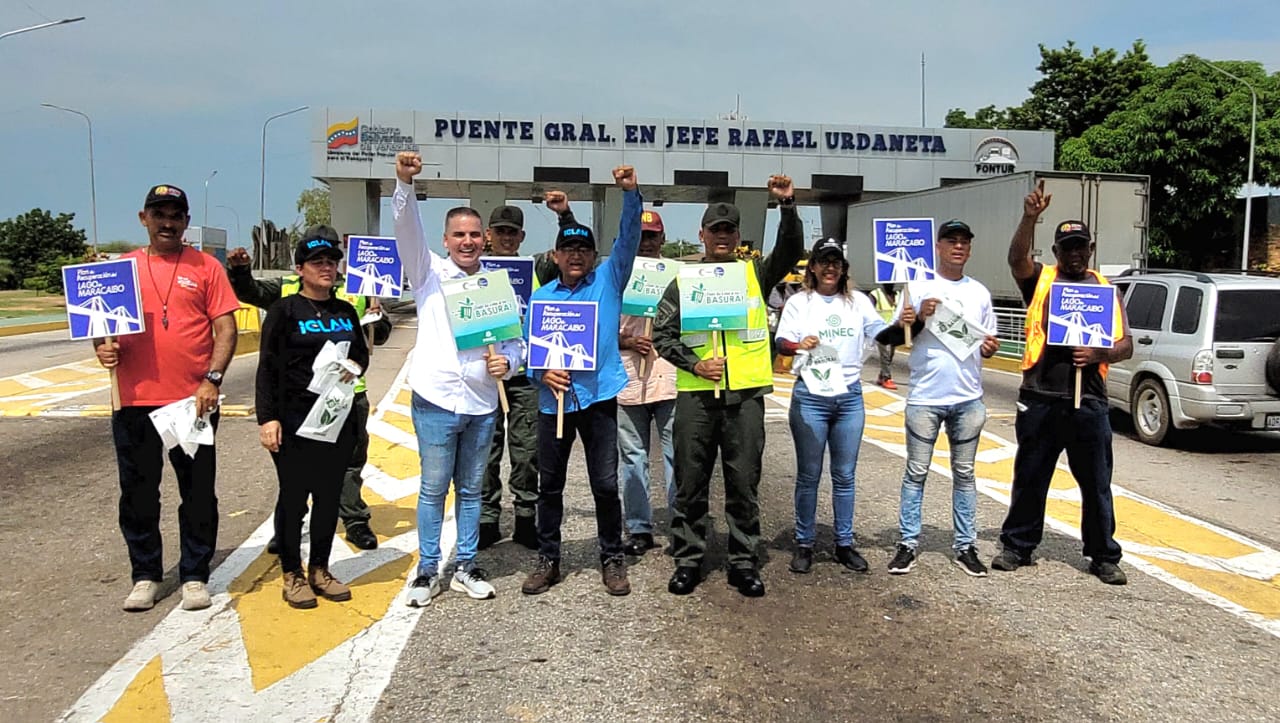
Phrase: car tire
(1273, 368)
(1152, 421)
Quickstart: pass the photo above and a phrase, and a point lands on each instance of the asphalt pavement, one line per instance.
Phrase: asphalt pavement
(1048, 642)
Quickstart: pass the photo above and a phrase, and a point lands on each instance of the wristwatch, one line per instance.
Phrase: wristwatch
(787, 201)
(214, 377)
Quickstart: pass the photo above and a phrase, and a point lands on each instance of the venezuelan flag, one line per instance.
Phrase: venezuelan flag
(344, 134)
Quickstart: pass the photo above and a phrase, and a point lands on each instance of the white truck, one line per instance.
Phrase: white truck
(1113, 205)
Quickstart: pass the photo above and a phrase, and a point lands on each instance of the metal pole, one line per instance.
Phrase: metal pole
(1248, 193)
(205, 221)
(262, 187)
(93, 190)
(64, 21)
(1248, 187)
(922, 119)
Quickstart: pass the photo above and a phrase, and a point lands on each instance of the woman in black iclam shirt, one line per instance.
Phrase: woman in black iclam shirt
(295, 330)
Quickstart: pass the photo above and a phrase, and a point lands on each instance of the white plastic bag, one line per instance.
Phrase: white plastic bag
(328, 414)
(178, 425)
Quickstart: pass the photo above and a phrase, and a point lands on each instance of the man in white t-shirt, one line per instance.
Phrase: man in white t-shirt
(954, 324)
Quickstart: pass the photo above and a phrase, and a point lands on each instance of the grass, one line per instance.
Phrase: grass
(19, 303)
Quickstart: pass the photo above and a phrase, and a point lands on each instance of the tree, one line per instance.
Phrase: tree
(37, 237)
(1073, 94)
(1188, 128)
(679, 247)
(117, 247)
(313, 204)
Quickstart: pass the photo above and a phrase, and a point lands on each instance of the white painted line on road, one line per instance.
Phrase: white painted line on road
(206, 665)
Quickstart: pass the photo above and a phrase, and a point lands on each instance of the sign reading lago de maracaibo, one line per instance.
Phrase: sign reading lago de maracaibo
(903, 249)
(103, 299)
(1082, 315)
(713, 297)
(649, 281)
(563, 334)
(482, 309)
(520, 270)
(373, 267)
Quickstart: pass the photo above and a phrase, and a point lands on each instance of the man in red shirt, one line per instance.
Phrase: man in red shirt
(190, 336)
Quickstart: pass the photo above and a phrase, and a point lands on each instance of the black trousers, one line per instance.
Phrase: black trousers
(307, 468)
(140, 457)
(351, 507)
(518, 433)
(598, 427)
(703, 427)
(1044, 429)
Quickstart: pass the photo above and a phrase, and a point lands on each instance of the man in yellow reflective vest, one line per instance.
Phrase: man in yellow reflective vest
(1047, 420)
(733, 422)
(262, 293)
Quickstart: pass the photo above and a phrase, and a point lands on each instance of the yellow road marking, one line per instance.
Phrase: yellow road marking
(280, 641)
(144, 700)
(1143, 524)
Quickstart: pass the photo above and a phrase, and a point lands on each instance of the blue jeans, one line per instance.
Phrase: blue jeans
(819, 423)
(452, 446)
(964, 426)
(633, 460)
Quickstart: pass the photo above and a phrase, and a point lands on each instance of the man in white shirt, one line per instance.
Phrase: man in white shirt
(455, 391)
(946, 389)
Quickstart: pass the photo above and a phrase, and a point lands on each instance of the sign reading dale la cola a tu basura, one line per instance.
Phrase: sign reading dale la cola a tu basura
(652, 135)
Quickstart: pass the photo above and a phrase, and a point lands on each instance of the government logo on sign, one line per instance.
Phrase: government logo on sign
(995, 155)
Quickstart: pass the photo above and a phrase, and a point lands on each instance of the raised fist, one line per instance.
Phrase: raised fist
(408, 165)
(557, 201)
(625, 177)
(239, 256)
(780, 187)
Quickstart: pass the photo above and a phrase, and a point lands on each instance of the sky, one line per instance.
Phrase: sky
(178, 90)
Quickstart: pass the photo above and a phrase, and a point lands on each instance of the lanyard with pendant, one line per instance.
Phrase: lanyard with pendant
(164, 302)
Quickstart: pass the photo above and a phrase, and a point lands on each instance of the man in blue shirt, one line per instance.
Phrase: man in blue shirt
(590, 397)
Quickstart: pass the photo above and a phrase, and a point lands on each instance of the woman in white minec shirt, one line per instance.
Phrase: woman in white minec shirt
(829, 327)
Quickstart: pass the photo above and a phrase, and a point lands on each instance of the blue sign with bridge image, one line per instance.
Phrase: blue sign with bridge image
(373, 267)
(562, 335)
(1082, 315)
(903, 249)
(103, 299)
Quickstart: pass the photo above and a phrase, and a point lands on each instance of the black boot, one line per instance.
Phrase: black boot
(802, 560)
(640, 543)
(489, 535)
(359, 534)
(526, 532)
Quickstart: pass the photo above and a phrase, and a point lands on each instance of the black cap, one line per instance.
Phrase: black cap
(575, 234)
(507, 216)
(165, 193)
(721, 213)
(827, 247)
(1071, 230)
(318, 240)
(953, 227)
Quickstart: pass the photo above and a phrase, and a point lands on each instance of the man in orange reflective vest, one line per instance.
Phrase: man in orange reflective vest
(1047, 420)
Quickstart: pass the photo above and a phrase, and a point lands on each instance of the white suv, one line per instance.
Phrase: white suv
(1205, 351)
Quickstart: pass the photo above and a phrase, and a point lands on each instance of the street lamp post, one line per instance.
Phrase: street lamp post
(93, 191)
(1248, 187)
(205, 221)
(233, 213)
(41, 26)
(262, 187)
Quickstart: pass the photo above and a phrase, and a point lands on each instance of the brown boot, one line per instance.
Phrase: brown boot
(546, 574)
(327, 586)
(297, 593)
(614, 573)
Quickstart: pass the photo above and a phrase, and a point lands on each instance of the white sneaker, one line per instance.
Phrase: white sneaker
(422, 589)
(143, 596)
(473, 583)
(195, 596)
